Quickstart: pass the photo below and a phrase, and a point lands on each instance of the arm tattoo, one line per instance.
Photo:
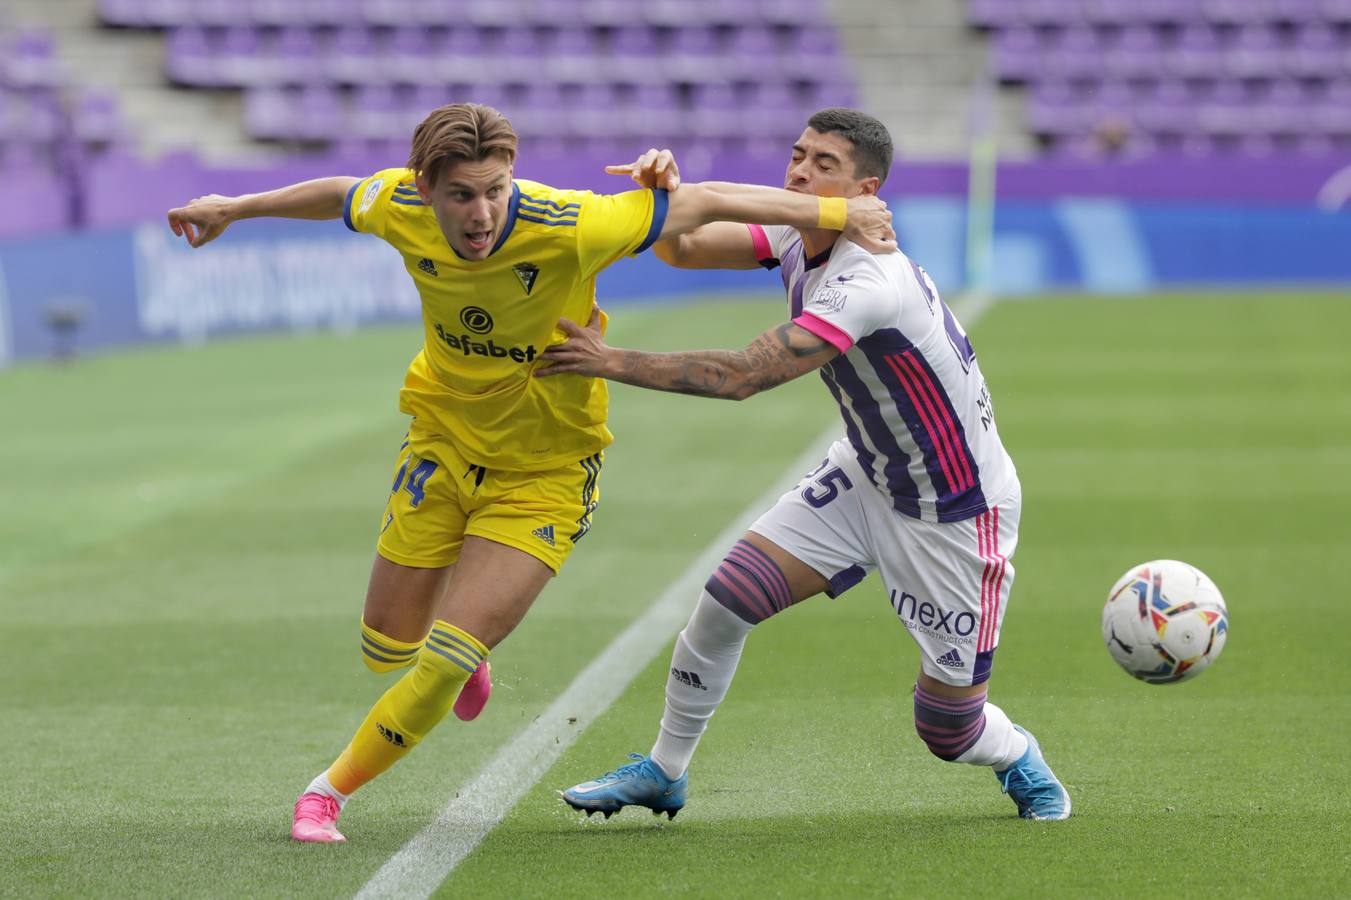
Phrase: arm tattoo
(774, 357)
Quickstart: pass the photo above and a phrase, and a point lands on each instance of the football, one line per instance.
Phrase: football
(1164, 621)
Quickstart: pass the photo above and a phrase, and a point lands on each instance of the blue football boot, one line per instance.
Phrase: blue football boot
(1033, 786)
(640, 783)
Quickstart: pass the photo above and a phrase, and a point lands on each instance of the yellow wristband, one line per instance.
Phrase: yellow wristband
(832, 212)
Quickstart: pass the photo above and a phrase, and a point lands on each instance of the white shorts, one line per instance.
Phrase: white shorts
(948, 583)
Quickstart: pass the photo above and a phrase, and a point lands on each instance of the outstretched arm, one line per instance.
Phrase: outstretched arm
(780, 354)
(691, 237)
(206, 218)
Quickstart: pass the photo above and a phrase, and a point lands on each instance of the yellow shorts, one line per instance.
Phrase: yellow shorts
(438, 498)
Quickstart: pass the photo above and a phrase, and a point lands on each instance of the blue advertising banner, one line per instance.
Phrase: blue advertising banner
(103, 289)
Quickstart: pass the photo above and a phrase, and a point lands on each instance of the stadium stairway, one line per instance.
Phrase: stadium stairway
(130, 66)
(915, 61)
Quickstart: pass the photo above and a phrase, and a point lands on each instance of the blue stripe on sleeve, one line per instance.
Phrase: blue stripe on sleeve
(660, 201)
(347, 205)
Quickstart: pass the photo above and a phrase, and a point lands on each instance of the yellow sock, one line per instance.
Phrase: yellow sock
(411, 708)
(383, 653)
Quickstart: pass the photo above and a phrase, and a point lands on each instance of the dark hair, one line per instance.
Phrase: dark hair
(460, 132)
(872, 142)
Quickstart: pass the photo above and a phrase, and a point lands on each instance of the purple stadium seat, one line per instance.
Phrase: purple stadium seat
(772, 110)
(799, 13)
(30, 60)
(1110, 12)
(714, 110)
(1256, 51)
(1017, 54)
(540, 113)
(491, 13)
(319, 114)
(665, 14)
(1135, 53)
(167, 13)
(1057, 13)
(753, 53)
(694, 56)
(513, 54)
(812, 52)
(272, 13)
(96, 120)
(653, 112)
(126, 13)
(996, 13)
(1317, 52)
(220, 13)
(605, 13)
(593, 111)
(832, 91)
(190, 57)
(1196, 53)
(387, 13)
(1076, 53)
(348, 56)
(1225, 111)
(569, 55)
(404, 56)
(634, 50)
(554, 13)
(294, 57)
(1171, 110)
(237, 58)
(1055, 108)
(1337, 12)
(267, 113)
(378, 112)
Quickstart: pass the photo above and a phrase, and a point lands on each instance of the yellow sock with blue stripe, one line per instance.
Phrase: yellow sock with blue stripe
(411, 708)
(384, 653)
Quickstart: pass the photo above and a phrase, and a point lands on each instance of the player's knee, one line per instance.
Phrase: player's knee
(382, 653)
(750, 584)
(447, 659)
(949, 726)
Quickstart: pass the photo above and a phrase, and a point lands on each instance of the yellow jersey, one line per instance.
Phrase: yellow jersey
(488, 320)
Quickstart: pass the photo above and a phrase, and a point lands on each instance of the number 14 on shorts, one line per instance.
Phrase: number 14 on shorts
(417, 475)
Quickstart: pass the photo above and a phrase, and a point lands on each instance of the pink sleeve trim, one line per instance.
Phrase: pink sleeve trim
(760, 241)
(825, 331)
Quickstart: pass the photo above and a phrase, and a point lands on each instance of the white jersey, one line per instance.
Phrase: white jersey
(916, 409)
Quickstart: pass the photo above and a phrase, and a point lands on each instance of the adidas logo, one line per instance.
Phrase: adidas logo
(545, 534)
(428, 266)
(952, 659)
(391, 735)
(689, 679)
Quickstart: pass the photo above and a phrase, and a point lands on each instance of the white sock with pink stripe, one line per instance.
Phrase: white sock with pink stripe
(702, 665)
(998, 745)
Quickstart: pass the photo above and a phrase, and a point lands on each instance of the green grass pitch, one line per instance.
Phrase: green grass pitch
(186, 535)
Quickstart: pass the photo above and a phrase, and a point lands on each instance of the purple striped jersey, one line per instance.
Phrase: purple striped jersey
(915, 406)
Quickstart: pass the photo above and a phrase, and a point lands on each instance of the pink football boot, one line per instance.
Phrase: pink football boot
(474, 695)
(316, 819)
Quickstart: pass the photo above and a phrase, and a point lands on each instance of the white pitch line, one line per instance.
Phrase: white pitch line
(432, 854)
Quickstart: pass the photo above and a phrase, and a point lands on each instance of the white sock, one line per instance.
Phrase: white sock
(702, 666)
(320, 785)
(998, 745)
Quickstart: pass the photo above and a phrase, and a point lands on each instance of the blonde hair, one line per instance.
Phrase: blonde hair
(460, 132)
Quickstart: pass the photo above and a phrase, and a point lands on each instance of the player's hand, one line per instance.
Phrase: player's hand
(583, 353)
(869, 224)
(202, 220)
(654, 169)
